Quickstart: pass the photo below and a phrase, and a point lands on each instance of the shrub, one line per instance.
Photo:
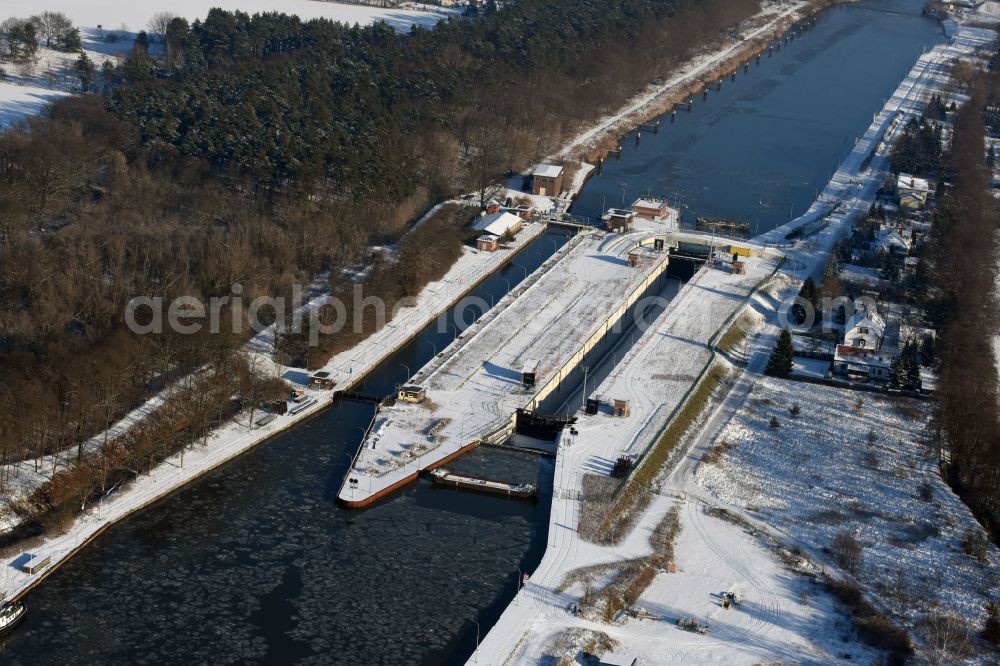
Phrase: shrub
(775, 423)
(991, 630)
(715, 453)
(847, 551)
(794, 410)
(975, 544)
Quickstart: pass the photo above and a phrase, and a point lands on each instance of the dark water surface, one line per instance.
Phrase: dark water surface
(256, 563)
(761, 149)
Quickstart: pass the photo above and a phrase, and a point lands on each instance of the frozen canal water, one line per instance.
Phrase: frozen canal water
(257, 564)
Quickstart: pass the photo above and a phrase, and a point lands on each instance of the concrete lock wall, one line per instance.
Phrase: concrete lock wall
(597, 336)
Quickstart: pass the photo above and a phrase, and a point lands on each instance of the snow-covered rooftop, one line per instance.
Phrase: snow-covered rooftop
(547, 170)
(497, 224)
(913, 184)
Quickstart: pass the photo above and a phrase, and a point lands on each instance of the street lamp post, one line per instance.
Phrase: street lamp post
(407, 371)
(475, 658)
(583, 401)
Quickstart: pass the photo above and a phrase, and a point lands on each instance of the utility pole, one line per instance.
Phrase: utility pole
(583, 401)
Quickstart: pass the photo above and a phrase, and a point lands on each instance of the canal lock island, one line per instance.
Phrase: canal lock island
(514, 332)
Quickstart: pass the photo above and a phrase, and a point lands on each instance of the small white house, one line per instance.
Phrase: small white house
(862, 364)
(865, 329)
(892, 242)
(912, 191)
(498, 224)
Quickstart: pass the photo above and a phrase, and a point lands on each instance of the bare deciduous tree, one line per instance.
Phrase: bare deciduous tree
(158, 24)
(51, 25)
(847, 551)
(949, 637)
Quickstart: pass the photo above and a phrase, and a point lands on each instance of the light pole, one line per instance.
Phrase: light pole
(347, 474)
(407, 371)
(583, 401)
(555, 245)
(525, 269)
(433, 346)
(520, 577)
(475, 657)
(506, 282)
(454, 327)
(624, 187)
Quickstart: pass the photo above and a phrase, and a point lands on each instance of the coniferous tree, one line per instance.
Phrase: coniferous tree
(69, 41)
(781, 362)
(86, 72)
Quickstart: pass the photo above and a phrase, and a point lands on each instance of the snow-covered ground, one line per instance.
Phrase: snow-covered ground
(131, 17)
(864, 465)
(18, 102)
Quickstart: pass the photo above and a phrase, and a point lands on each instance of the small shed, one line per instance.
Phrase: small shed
(617, 659)
(279, 407)
(547, 180)
(739, 268)
(529, 372)
(486, 243)
(412, 393)
(36, 563)
(620, 407)
(322, 379)
(593, 406)
(619, 219)
(634, 259)
(651, 208)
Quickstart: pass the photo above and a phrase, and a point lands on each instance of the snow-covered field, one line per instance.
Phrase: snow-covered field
(17, 102)
(864, 465)
(134, 16)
